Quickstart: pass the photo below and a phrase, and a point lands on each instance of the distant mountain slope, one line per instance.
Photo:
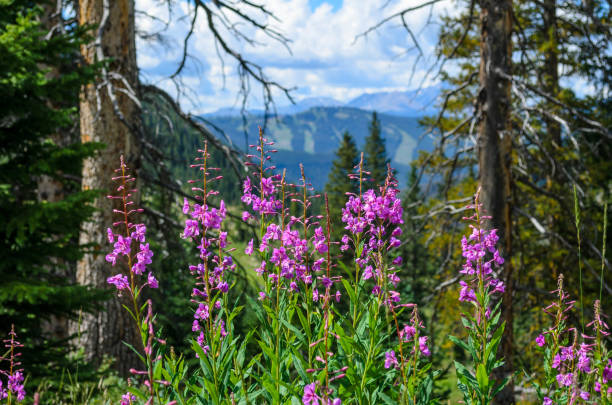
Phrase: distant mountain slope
(311, 137)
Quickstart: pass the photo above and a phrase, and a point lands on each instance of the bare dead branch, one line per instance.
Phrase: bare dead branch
(231, 155)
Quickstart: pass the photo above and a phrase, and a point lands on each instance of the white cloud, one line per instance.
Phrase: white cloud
(326, 60)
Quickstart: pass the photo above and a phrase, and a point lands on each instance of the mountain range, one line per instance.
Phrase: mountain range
(310, 130)
(412, 103)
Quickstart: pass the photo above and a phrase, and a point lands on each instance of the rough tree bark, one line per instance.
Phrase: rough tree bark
(494, 152)
(106, 115)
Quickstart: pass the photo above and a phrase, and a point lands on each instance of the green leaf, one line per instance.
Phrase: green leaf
(300, 369)
(492, 345)
(482, 377)
(295, 330)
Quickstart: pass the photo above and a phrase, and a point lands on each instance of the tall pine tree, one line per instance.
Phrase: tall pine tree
(40, 82)
(375, 153)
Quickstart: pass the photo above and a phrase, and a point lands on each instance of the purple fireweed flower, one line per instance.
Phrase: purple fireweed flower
(326, 282)
(122, 246)
(214, 218)
(319, 241)
(390, 359)
(139, 233)
(249, 248)
(407, 333)
(246, 186)
(111, 258)
(223, 287)
(202, 312)
(466, 293)
(498, 286)
(607, 372)
(475, 248)
(316, 266)
(565, 380)
(138, 268)
(540, 340)
(15, 385)
(310, 396)
(556, 361)
(210, 272)
(110, 235)
(262, 268)
(185, 206)
(15, 377)
(368, 273)
(547, 401)
(191, 228)
(267, 186)
(393, 297)
(423, 346)
(222, 239)
(145, 254)
(394, 242)
(127, 399)
(567, 353)
(222, 331)
(394, 279)
(583, 363)
(120, 281)
(152, 281)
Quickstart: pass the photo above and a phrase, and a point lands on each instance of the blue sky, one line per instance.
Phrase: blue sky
(326, 59)
(336, 4)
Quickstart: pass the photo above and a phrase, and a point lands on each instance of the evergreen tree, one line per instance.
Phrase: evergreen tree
(338, 183)
(375, 153)
(39, 229)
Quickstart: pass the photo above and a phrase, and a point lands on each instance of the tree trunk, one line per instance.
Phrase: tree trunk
(106, 115)
(494, 152)
(550, 84)
(550, 72)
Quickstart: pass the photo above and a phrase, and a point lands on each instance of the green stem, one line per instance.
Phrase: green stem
(370, 350)
(577, 221)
